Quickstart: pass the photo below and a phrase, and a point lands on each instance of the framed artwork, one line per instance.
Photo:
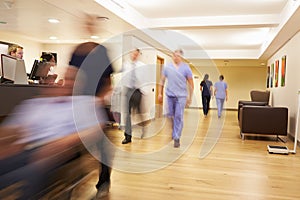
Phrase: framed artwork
(283, 70)
(268, 77)
(272, 75)
(276, 72)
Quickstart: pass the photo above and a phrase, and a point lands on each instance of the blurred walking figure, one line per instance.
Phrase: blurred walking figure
(221, 94)
(207, 91)
(179, 75)
(133, 93)
(95, 69)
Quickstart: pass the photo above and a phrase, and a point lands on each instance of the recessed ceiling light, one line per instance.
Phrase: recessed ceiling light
(53, 21)
(95, 37)
(53, 38)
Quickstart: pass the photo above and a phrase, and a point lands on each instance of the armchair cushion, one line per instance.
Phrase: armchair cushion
(264, 120)
(249, 103)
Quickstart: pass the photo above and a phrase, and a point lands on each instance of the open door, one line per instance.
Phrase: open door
(158, 105)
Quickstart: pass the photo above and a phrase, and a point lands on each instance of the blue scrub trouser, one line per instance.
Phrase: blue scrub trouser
(175, 111)
(220, 103)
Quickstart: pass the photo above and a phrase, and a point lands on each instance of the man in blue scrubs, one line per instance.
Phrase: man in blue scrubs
(178, 74)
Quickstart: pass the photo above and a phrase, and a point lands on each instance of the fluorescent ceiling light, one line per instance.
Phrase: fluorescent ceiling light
(95, 37)
(53, 38)
(53, 21)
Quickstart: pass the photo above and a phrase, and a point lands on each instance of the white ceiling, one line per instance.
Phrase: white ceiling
(223, 29)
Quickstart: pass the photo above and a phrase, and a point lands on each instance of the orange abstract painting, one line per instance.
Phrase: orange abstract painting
(276, 73)
(283, 70)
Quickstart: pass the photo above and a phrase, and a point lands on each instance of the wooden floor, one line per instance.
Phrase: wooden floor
(213, 163)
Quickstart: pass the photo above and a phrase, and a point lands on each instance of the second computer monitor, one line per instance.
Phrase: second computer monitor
(39, 70)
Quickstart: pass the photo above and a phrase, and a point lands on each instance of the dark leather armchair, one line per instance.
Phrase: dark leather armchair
(263, 120)
(258, 98)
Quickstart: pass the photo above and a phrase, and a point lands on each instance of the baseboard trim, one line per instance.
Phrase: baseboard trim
(198, 108)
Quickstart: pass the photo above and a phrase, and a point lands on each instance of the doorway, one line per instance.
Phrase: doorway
(158, 105)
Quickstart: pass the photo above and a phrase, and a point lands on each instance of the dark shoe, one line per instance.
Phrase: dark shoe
(103, 190)
(127, 139)
(176, 143)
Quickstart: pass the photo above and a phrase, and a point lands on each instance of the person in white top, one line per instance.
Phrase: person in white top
(133, 93)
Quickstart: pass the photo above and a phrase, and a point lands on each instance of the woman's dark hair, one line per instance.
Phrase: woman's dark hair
(221, 77)
(47, 57)
(206, 76)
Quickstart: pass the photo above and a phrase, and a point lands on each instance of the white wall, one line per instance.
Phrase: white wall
(64, 52)
(31, 48)
(3, 50)
(287, 95)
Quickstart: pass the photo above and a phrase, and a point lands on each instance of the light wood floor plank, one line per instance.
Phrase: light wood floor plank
(234, 169)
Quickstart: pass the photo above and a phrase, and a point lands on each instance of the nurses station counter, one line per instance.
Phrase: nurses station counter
(36, 168)
(13, 94)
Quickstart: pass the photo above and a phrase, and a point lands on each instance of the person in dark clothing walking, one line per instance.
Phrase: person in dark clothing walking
(95, 70)
(206, 92)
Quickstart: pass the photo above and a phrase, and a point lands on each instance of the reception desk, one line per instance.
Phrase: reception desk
(40, 151)
(12, 94)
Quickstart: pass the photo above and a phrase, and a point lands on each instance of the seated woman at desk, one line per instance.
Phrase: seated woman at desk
(50, 58)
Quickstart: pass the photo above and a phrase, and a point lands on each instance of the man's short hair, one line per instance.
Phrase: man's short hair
(13, 49)
(179, 51)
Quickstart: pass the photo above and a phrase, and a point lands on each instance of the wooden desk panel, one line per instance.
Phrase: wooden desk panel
(12, 94)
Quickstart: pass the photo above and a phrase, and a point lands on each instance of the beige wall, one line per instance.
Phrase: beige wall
(240, 79)
(287, 95)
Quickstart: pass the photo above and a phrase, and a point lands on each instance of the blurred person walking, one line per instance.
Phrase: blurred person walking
(133, 93)
(95, 69)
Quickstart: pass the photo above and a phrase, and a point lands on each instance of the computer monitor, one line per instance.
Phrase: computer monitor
(39, 70)
(13, 69)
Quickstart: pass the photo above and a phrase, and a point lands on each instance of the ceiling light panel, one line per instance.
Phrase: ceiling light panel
(53, 21)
